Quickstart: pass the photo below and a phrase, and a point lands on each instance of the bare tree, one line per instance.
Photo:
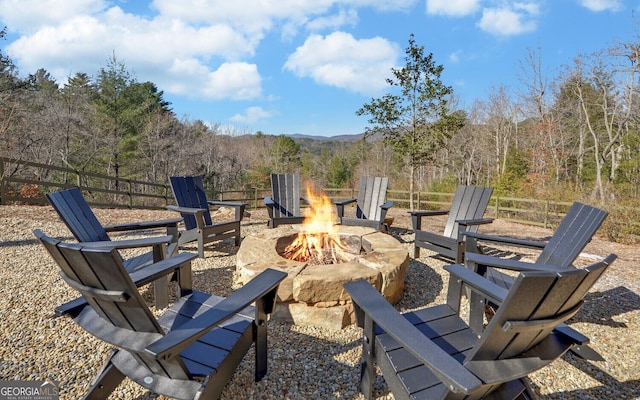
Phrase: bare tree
(502, 115)
(606, 84)
(548, 141)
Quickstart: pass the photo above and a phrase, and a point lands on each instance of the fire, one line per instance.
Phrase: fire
(318, 242)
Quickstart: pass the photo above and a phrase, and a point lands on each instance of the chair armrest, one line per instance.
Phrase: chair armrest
(476, 282)
(416, 216)
(270, 204)
(387, 205)
(375, 307)
(427, 213)
(238, 205)
(344, 202)
(175, 341)
(130, 243)
(536, 244)
(226, 203)
(268, 201)
(340, 206)
(505, 263)
(186, 210)
(480, 221)
(165, 223)
(162, 268)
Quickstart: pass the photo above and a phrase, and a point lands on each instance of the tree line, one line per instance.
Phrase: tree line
(568, 136)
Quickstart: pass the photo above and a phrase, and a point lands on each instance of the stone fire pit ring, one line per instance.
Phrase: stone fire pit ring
(314, 294)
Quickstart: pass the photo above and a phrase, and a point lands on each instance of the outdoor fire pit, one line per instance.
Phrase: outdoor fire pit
(319, 258)
(313, 294)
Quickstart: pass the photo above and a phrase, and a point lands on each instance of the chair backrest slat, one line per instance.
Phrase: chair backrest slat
(76, 213)
(372, 193)
(188, 191)
(285, 189)
(469, 202)
(573, 234)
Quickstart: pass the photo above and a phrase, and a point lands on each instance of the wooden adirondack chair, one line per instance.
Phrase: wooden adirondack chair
(431, 353)
(189, 352)
(574, 232)
(371, 208)
(284, 204)
(467, 208)
(76, 213)
(189, 194)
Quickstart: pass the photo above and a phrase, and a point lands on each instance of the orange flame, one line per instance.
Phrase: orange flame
(318, 242)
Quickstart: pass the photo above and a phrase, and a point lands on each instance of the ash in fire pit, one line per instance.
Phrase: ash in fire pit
(319, 248)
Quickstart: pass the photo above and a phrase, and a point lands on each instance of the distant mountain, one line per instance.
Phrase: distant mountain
(338, 138)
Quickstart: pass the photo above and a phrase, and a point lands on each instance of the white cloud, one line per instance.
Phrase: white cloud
(194, 47)
(251, 116)
(149, 48)
(518, 19)
(601, 5)
(381, 5)
(256, 17)
(336, 21)
(27, 16)
(342, 61)
(456, 8)
(237, 81)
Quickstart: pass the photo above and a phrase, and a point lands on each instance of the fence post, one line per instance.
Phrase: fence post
(130, 193)
(546, 214)
(497, 206)
(418, 201)
(2, 188)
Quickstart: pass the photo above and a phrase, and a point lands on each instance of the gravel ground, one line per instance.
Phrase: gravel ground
(304, 362)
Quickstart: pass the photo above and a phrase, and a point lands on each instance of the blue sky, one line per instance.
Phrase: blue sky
(304, 66)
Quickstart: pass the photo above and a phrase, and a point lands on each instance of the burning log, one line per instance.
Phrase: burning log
(319, 242)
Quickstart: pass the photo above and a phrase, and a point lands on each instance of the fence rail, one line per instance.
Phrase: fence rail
(26, 182)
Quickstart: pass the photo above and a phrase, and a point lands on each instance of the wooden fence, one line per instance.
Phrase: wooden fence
(28, 182)
(25, 182)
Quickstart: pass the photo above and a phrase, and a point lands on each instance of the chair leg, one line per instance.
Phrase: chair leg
(161, 293)
(367, 368)
(260, 340)
(160, 285)
(106, 381)
(200, 246)
(237, 237)
(476, 312)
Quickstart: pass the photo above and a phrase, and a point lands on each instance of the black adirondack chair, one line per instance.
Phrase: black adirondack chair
(189, 352)
(574, 232)
(192, 204)
(371, 207)
(467, 208)
(76, 213)
(284, 204)
(431, 353)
